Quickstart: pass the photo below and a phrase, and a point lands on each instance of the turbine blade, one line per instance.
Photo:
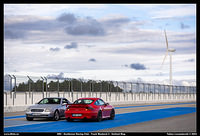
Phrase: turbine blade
(166, 39)
(165, 57)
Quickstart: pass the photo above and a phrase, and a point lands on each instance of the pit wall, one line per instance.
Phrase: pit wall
(21, 100)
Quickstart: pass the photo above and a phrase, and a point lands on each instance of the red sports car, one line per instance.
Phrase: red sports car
(89, 108)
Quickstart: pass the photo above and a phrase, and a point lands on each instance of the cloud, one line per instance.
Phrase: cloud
(21, 27)
(113, 22)
(171, 11)
(54, 49)
(72, 45)
(132, 49)
(192, 40)
(124, 65)
(60, 76)
(159, 74)
(88, 26)
(81, 26)
(92, 60)
(190, 60)
(12, 34)
(137, 66)
(183, 26)
(67, 18)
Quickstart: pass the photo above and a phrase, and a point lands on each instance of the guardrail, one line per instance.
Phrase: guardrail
(26, 90)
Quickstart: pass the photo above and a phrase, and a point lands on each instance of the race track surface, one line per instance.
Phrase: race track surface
(169, 117)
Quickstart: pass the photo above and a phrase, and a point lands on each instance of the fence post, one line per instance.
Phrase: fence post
(15, 85)
(194, 94)
(124, 86)
(172, 93)
(10, 86)
(42, 87)
(85, 91)
(29, 86)
(46, 85)
(13, 99)
(169, 95)
(109, 90)
(154, 91)
(137, 89)
(58, 87)
(175, 93)
(159, 88)
(177, 88)
(69, 88)
(142, 91)
(32, 98)
(72, 91)
(106, 94)
(118, 92)
(25, 98)
(81, 88)
(146, 90)
(131, 89)
(135, 92)
(6, 98)
(100, 88)
(90, 89)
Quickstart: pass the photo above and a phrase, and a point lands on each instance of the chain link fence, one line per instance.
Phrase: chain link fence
(26, 90)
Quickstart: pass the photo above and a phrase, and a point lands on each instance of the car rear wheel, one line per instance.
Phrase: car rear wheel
(69, 120)
(112, 114)
(56, 116)
(99, 116)
(29, 118)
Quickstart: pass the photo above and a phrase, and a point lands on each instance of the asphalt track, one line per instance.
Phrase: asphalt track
(131, 118)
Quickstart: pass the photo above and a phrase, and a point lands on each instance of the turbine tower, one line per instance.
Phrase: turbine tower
(170, 50)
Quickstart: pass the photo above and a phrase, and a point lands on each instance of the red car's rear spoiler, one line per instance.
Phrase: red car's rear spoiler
(77, 105)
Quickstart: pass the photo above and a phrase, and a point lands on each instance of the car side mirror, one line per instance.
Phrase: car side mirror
(106, 104)
(64, 104)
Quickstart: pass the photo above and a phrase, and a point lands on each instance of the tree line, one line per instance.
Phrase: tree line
(68, 85)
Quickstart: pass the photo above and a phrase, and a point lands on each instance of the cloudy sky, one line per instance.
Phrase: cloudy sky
(122, 42)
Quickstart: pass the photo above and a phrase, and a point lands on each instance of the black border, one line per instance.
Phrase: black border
(107, 2)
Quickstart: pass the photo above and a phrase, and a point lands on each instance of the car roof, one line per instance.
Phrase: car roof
(56, 97)
(90, 98)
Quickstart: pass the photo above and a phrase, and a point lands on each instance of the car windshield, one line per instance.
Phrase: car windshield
(83, 101)
(50, 101)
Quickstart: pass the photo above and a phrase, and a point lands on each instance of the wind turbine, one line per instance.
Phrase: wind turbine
(170, 50)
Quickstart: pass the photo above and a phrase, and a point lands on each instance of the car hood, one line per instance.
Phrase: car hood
(44, 106)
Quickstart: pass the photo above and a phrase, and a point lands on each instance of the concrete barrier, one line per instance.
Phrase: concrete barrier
(25, 99)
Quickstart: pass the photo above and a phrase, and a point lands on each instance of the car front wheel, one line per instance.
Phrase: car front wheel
(56, 116)
(112, 114)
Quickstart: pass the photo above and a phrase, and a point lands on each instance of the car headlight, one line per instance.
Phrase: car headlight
(47, 110)
(28, 110)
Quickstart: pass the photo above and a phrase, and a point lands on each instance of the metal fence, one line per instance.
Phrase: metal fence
(71, 88)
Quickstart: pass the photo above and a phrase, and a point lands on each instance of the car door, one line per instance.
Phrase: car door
(103, 107)
(63, 106)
